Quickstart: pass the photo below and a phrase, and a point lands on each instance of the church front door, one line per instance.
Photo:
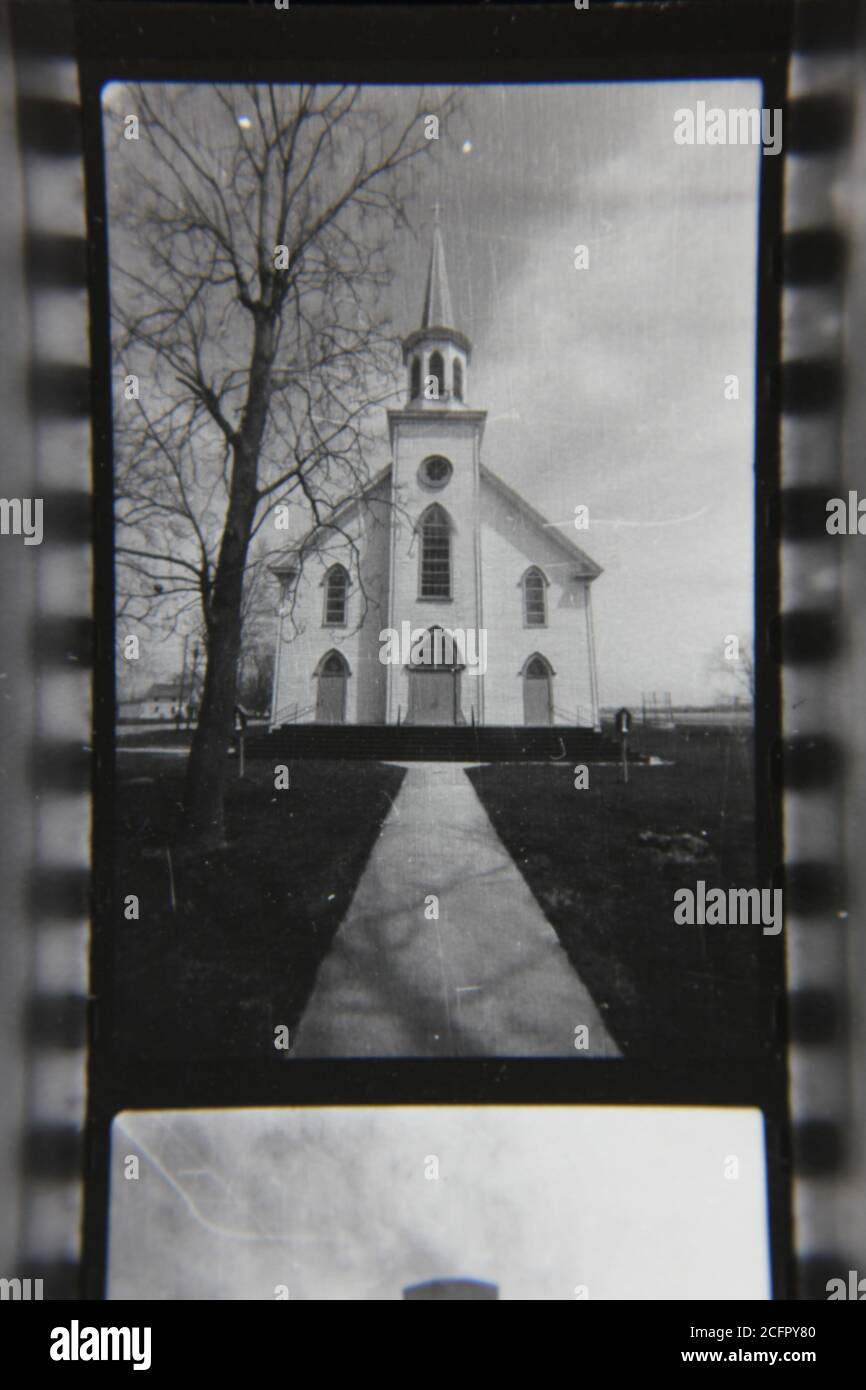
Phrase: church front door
(434, 697)
(537, 694)
(331, 697)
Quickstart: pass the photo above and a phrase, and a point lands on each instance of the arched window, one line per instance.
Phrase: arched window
(336, 595)
(415, 387)
(435, 579)
(438, 647)
(536, 669)
(436, 368)
(534, 598)
(458, 379)
(332, 665)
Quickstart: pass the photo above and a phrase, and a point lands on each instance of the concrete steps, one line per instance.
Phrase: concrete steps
(407, 743)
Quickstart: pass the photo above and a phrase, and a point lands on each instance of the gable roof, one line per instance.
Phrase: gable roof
(342, 512)
(590, 569)
(163, 690)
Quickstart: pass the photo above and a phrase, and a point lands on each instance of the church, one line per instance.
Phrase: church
(449, 599)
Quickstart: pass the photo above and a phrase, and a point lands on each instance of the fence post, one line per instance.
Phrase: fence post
(622, 725)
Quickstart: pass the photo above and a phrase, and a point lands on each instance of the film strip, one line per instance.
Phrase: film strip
(820, 637)
(56, 758)
(818, 643)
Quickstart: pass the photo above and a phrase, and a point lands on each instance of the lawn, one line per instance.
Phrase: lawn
(604, 863)
(212, 972)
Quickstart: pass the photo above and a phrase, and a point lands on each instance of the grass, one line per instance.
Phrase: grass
(213, 973)
(161, 736)
(663, 989)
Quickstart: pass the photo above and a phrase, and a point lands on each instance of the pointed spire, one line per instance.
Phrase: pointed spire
(437, 299)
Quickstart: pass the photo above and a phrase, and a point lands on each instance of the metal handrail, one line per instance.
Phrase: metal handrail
(281, 715)
(578, 721)
(290, 714)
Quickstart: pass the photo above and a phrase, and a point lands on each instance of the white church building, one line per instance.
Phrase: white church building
(455, 601)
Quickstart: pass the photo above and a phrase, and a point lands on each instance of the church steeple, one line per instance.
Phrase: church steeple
(437, 354)
(437, 312)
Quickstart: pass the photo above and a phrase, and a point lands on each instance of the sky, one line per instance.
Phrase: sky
(629, 1202)
(605, 386)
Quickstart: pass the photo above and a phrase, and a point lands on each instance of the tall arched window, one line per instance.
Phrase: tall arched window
(435, 580)
(415, 387)
(534, 598)
(458, 379)
(436, 368)
(336, 596)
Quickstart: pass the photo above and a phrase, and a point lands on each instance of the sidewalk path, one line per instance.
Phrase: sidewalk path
(489, 978)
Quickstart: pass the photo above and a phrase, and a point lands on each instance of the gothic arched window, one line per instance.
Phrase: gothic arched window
(435, 579)
(458, 379)
(537, 668)
(415, 386)
(436, 368)
(333, 665)
(534, 598)
(336, 596)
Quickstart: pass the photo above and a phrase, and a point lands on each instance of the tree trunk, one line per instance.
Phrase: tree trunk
(208, 767)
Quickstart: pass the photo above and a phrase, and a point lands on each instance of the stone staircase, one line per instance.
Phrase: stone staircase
(417, 743)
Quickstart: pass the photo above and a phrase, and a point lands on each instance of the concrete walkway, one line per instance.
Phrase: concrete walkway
(489, 978)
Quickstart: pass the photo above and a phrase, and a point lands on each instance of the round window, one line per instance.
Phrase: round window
(436, 471)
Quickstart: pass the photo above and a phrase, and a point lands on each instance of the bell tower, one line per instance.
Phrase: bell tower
(435, 569)
(436, 355)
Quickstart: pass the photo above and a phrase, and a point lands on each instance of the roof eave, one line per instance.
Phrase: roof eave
(591, 569)
(297, 552)
(438, 330)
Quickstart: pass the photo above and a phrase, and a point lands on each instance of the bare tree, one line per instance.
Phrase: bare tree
(255, 682)
(259, 611)
(740, 668)
(249, 251)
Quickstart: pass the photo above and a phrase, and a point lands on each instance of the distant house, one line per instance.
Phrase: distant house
(164, 700)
